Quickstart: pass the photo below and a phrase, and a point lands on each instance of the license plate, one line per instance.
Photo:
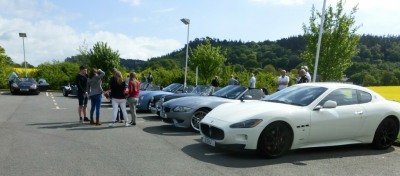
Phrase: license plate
(25, 90)
(209, 141)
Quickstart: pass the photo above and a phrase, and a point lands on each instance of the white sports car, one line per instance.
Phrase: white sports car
(303, 116)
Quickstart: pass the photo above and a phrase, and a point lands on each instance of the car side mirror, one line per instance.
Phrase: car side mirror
(328, 105)
(247, 97)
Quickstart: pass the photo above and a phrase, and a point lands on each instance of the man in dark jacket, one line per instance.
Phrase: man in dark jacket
(81, 83)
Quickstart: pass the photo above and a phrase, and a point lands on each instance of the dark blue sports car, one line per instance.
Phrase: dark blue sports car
(24, 85)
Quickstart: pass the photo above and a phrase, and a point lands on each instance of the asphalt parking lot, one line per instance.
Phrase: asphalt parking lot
(41, 135)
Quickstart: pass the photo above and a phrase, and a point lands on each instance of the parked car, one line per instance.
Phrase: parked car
(146, 96)
(186, 112)
(43, 85)
(304, 116)
(200, 90)
(24, 85)
(69, 89)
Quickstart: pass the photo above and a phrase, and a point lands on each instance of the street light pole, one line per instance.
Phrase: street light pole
(186, 21)
(23, 35)
(321, 31)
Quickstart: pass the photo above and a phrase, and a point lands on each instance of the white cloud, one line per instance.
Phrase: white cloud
(279, 2)
(165, 10)
(48, 41)
(132, 2)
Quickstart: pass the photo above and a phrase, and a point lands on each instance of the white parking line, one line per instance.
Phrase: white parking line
(47, 94)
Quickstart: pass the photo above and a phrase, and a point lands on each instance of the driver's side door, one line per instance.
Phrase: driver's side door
(342, 122)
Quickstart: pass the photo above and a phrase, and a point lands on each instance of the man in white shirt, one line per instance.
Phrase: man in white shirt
(283, 80)
(252, 81)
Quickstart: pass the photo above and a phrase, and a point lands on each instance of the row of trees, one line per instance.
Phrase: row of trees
(365, 60)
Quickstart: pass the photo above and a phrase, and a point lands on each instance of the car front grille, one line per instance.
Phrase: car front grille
(212, 132)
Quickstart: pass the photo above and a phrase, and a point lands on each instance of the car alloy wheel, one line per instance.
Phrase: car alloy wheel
(275, 140)
(386, 133)
(196, 118)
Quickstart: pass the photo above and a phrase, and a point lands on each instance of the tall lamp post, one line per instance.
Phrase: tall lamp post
(186, 21)
(321, 31)
(23, 35)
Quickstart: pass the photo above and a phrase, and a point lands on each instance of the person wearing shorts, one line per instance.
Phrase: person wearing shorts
(81, 84)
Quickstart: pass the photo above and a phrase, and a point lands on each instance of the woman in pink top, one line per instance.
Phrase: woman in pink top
(133, 96)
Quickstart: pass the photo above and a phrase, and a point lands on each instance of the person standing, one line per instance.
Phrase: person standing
(215, 82)
(117, 86)
(237, 81)
(231, 81)
(81, 84)
(308, 75)
(143, 78)
(133, 96)
(95, 93)
(150, 78)
(252, 81)
(283, 80)
(303, 77)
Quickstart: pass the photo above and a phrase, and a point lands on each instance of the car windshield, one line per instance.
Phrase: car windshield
(172, 88)
(25, 80)
(202, 90)
(296, 95)
(231, 91)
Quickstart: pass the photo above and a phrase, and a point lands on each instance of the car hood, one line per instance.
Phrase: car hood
(236, 112)
(25, 83)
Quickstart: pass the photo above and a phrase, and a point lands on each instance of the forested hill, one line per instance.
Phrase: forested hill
(285, 53)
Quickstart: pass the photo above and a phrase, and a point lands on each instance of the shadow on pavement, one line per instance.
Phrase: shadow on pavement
(169, 130)
(209, 154)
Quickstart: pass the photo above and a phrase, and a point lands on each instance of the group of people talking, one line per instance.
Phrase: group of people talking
(121, 91)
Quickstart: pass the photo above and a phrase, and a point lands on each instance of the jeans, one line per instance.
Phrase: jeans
(132, 105)
(122, 103)
(96, 103)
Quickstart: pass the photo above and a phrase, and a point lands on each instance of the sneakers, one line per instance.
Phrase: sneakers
(132, 123)
(111, 125)
(127, 124)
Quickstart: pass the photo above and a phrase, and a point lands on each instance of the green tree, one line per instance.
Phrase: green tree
(5, 69)
(103, 57)
(208, 59)
(338, 44)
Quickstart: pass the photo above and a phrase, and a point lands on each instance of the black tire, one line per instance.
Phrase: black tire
(386, 134)
(275, 140)
(65, 93)
(197, 117)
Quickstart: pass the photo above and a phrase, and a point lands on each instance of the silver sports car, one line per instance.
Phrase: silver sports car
(187, 112)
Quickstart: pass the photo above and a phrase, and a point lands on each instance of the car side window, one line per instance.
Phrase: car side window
(342, 97)
(365, 97)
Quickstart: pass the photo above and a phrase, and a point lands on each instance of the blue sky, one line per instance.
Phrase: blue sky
(141, 29)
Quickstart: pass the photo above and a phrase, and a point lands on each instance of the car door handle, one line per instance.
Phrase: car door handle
(359, 112)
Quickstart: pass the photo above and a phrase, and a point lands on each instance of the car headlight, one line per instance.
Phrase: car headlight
(181, 109)
(246, 124)
(33, 86)
(15, 85)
